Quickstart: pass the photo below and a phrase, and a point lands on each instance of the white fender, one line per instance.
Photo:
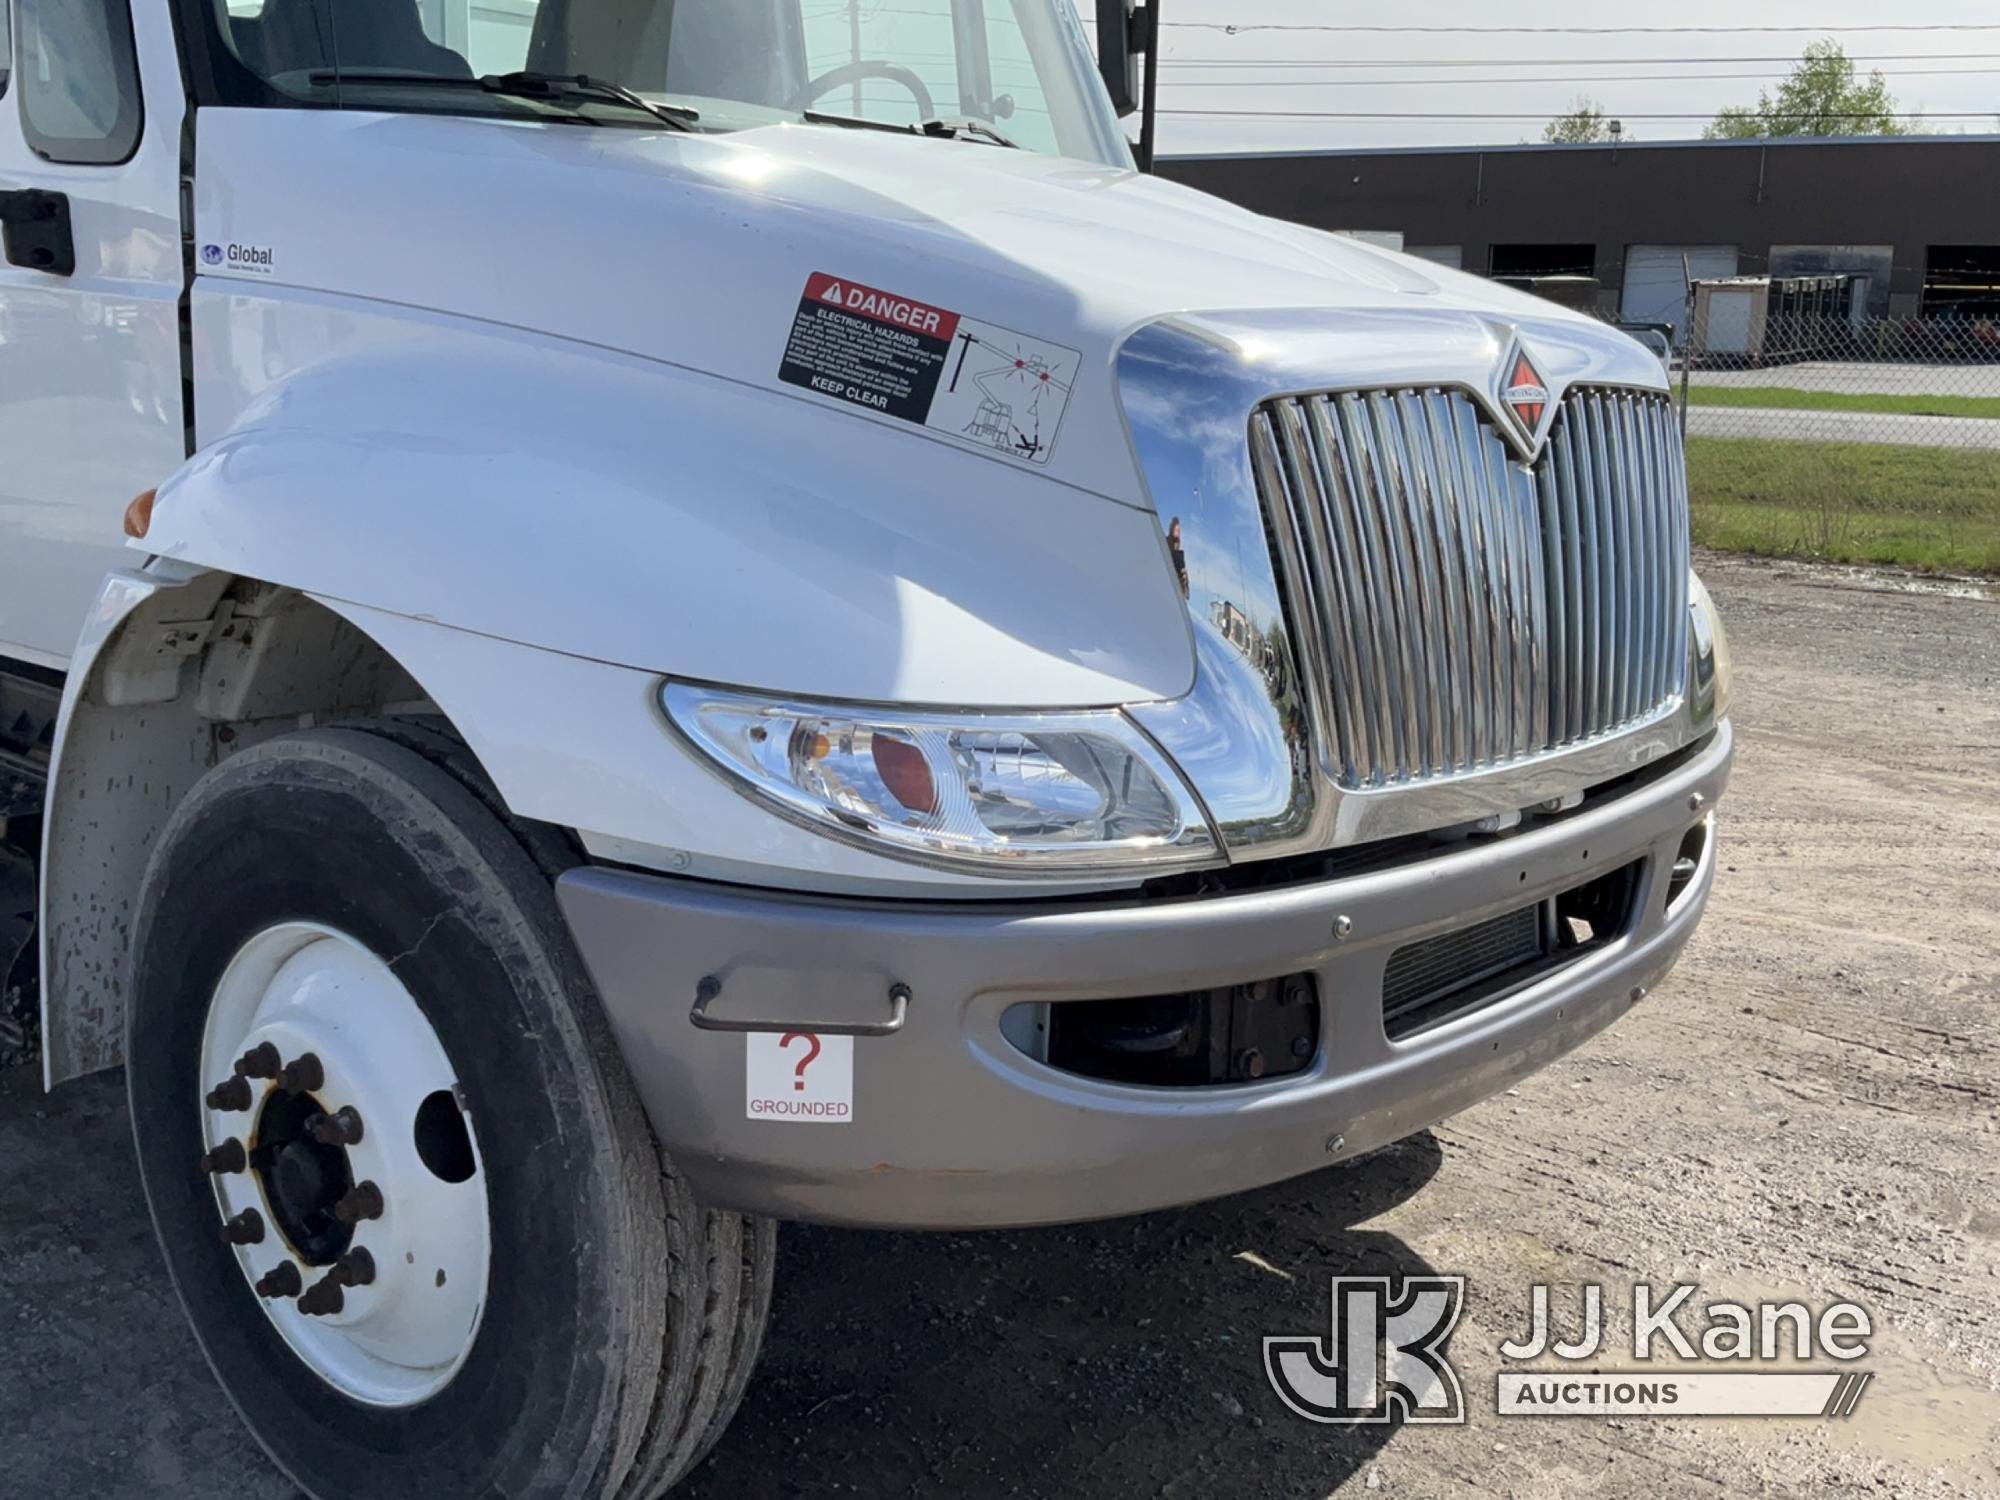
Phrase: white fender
(567, 740)
(615, 508)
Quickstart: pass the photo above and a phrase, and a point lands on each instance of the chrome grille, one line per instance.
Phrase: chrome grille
(1461, 610)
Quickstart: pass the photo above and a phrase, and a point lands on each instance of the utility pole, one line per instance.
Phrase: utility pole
(1150, 112)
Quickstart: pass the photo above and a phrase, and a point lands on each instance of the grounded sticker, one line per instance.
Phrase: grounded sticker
(976, 381)
(800, 1078)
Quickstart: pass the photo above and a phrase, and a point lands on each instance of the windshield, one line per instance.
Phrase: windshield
(1013, 72)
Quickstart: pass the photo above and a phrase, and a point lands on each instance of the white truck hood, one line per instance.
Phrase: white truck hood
(599, 391)
(697, 251)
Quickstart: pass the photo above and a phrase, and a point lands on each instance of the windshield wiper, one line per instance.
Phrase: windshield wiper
(523, 85)
(548, 85)
(936, 129)
(854, 122)
(965, 129)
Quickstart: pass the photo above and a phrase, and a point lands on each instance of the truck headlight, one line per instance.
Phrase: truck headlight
(1710, 688)
(1066, 794)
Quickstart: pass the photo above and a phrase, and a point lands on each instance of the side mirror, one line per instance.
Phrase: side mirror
(1121, 41)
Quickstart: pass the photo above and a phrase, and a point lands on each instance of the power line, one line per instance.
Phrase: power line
(1426, 114)
(1432, 83)
(1171, 63)
(1236, 28)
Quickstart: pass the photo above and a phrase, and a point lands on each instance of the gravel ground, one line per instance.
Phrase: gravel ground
(1810, 1107)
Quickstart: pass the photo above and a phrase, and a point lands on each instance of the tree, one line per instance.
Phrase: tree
(1823, 96)
(1585, 125)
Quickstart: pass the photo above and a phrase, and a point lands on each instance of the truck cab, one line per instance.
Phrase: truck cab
(622, 620)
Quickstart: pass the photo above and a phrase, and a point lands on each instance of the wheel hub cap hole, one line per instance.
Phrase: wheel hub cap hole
(444, 1145)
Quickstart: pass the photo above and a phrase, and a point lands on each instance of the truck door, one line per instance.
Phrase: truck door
(90, 286)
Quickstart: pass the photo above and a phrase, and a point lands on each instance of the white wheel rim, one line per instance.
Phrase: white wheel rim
(306, 988)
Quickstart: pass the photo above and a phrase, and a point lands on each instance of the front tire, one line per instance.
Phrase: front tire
(356, 894)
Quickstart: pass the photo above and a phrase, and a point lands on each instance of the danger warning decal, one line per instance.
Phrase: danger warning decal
(976, 381)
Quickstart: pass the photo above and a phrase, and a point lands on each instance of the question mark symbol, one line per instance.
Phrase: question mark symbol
(805, 1062)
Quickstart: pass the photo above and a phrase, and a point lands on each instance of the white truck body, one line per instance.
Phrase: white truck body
(592, 446)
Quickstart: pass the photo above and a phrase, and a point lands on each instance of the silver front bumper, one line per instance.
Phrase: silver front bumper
(955, 1127)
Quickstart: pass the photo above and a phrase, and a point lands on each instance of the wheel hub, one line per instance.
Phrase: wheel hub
(331, 1115)
(303, 1179)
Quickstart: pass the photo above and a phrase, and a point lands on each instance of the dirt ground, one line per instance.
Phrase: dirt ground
(1809, 1107)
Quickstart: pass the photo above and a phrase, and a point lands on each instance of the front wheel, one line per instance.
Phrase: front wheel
(401, 1180)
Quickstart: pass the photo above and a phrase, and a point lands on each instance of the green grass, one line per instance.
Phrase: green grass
(1780, 398)
(1931, 508)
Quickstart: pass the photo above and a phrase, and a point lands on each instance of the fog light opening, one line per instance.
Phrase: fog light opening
(1687, 862)
(1237, 1034)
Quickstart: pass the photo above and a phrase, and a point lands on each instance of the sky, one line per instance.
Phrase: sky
(1428, 75)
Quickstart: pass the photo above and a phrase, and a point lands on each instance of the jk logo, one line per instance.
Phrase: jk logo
(1384, 1358)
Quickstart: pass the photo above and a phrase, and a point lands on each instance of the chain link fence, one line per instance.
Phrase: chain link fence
(1817, 431)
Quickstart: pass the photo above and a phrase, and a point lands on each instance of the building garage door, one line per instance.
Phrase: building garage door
(1655, 284)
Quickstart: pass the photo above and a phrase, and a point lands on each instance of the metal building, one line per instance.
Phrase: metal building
(1918, 216)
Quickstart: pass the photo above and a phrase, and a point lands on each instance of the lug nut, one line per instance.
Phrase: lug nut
(232, 1094)
(228, 1157)
(282, 1280)
(247, 1228)
(261, 1061)
(1250, 1063)
(322, 1297)
(1302, 1047)
(341, 1128)
(355, 1268)
(303, 1075)
(363, 1201)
